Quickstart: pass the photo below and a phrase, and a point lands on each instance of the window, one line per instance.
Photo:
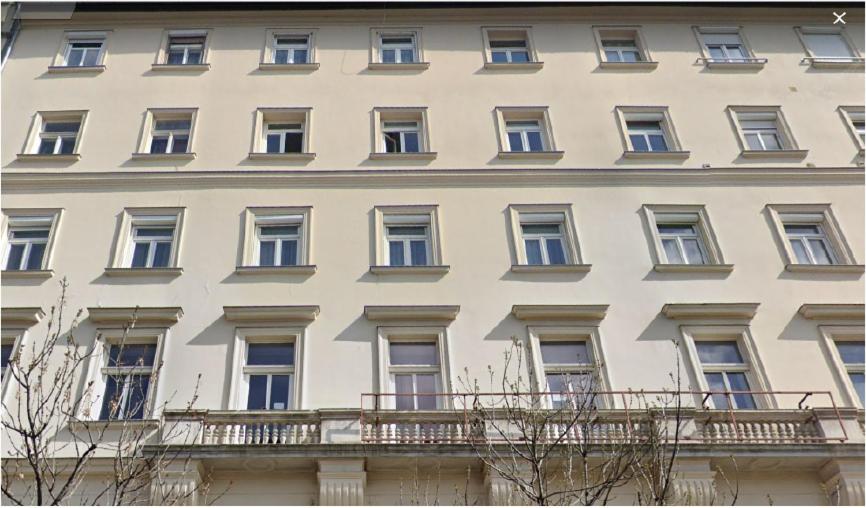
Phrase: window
(291, 49)
(29, 238)
(83, 52)
(826, 46)
(55, 134)
(648, 132)
(185, 49)
(567, 362)
(407, 238)
(267, 369)
(683, 237)
(396, 48)
(401, 133)
(127, 373)
(845, 345)
(413, 367)
(544, 235)
(725, 46)
(763, 130)
(276, 239)
(168, 132)
(725, 373)
(851, 353)
(855, 119)
(150, 239)
(622, 46)
(525, 133)
(509, 46)
(282, 133)
(7, 349)
(810, 236)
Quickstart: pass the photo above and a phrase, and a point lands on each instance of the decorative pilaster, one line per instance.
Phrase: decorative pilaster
(694, 483)
(843, 481)
(177, 484)
(341, 482)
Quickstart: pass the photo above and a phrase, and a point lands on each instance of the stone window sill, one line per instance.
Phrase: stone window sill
(772, 154)
(671, 154)
(823, 63)
(143, 272)
(303, 67)
(635, 66)
(27, 274)
(389, 270)
(76, 69)
(276, 270)
(414, 66)
(684, 268)
(403, 156)
(572, 268)
(39, 157)
(755, 64)
(181, 67)
(186, 156)
(805, 268)
(295, 156)
(547, 154)
(518, 66)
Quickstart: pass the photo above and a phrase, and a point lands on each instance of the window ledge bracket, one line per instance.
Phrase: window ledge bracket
(414, 66)
(402, 156)
(806, 268)
(685, 268)
(771, 154)
(420, 270)
(547, 154)
(295, 156)
(39, 157)
(181, 67)
(570, 268)
(671, 154)
(276, 270)
(143, 272)
(632, 66)
(27, 274)
(518, 66)
(76, 69)
(186, 156)
(300, 67)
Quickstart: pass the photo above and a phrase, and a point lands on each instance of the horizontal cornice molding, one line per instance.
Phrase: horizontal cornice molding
(500, 177)
(832, 310)
(710, 310)
(254, 314)
(142, 316)
(557, 312)
(411, 312)
(11, 317)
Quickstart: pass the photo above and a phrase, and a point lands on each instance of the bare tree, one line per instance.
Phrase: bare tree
(55, 452)
(563, 448)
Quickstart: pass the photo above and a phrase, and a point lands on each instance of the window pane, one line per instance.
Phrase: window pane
(676, 229)
(131, 355)
(34, 262)
(139, 255)
(771, 141)
(29, 233)
(857, 381)
(413, 353)
(498, 57)
(515, 144)
(91, 57)
(257, 395)
(753, 141)
(180, 144)
(672, 251)
(419, 252)
(559, 352)
(280, 392)
(631, 56)
(658, 143)
(411, 140)
(75, 57)
(173, 125)
(46, 146)
(820, 252)
(16, 252)
(407, 230)
(519, 56)
(266, 253)
(289, 253)
(711, 351)
(716, 383)
(300, 56)
(175, 56)
(145, 232)
(403, 384)
(535, 143)
(294, 142)
(67, 145)
(802, 229)
(162, 255)
(426, 383)
(638, 143)
(159, 144)
(693, 251)
(271, 353)
(612, 56)
(281, 56)
(828, 45)
(800, 251)
(395, 253)
(278, 230)
(533, 252)
(389, 56)
(110, 399)
(555, 254)
(540, 229)
(716, 52)
(851, 352)
(193, 57)
(739, 383)
(5, 355)
(392, 142)
(136, 396)
(273, 142)
(736, 52)
(61, 127)
(407, 55)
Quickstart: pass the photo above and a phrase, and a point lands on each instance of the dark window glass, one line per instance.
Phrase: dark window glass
(131, 355)
(267, 353)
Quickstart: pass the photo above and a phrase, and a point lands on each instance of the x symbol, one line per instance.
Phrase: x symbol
(839, 18)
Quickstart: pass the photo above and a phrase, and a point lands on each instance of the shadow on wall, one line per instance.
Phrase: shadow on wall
(219, 333)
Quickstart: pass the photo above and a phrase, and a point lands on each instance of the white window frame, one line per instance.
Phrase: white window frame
(542, 238)
(268, 57)
(14, 218)
(282, 133)
(98, 369)
(398, 48)
(170, 134)
(61, 58)
(588, 334)
(17, 338)
(254, 217)
(435, 334)
(34, 137)
(540, 114)
(819, 61)
(659, 114)
(406, 240)
(152, 242)
(155, 114)
(376, 48)
(382, 115)
(806, 239)
(489, 33)
(409, 215)
(134, 217)
(774, 114)
(701, 32)
(279, 240)
(291, 48)
(524, 130)
(544, 213)
(753, 368)
(622, 33)
(239, 389)
(698, 216)
(831, 336)
(278, 115)
(161, 60)
(819, 214)
(850, 115)
(401, 131)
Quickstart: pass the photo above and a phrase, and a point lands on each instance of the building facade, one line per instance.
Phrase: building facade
(306, 204)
